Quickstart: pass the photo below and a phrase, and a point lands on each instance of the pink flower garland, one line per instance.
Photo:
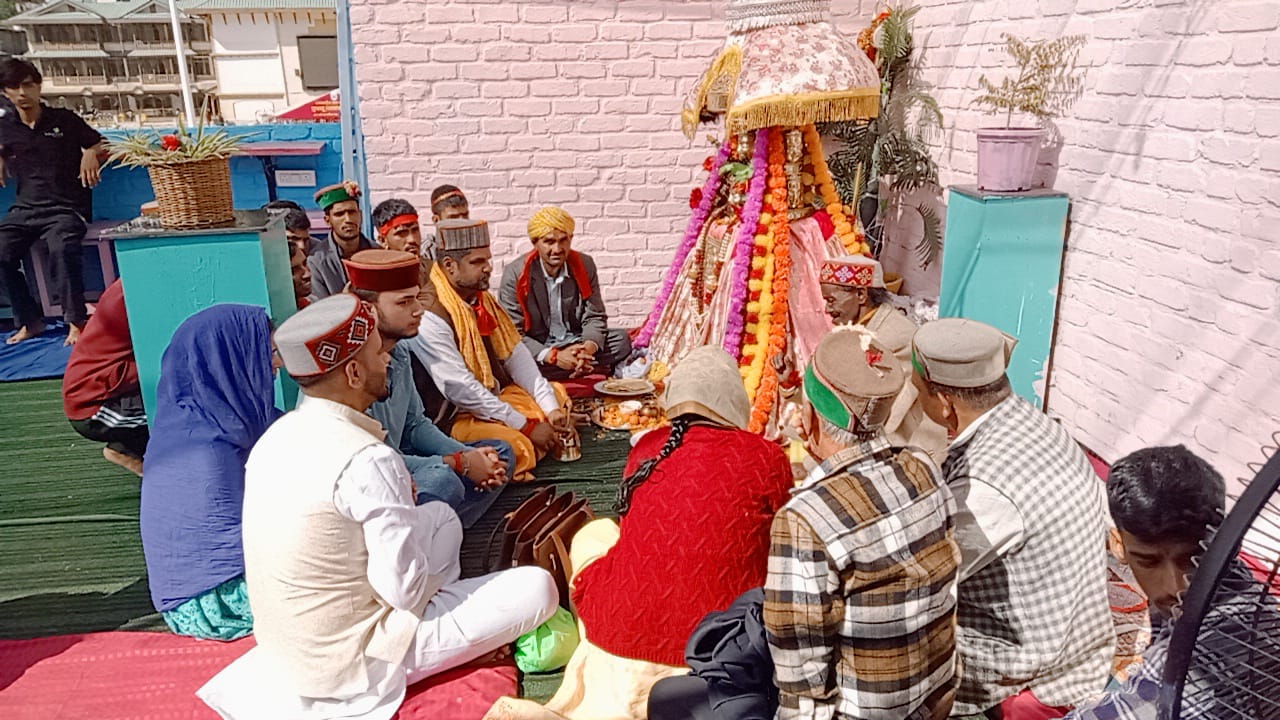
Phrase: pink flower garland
(745, 242)
(691, 234)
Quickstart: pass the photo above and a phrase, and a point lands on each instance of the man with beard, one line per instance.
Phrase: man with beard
(466, 477)
(341, 207)
(484, 380)
(553, 295)
(354, 589)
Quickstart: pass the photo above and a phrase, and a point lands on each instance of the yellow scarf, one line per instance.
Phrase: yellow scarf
(505, 337)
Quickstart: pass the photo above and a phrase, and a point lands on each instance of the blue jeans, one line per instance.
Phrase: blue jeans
(438, 482)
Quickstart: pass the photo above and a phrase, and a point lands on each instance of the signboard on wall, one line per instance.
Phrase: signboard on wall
(326, 108)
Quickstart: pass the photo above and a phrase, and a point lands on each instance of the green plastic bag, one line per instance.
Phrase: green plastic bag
(550, 645)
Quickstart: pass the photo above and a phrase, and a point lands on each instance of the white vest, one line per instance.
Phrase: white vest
(315, 614)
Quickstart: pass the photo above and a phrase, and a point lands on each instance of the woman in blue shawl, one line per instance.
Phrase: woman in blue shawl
(215, 399)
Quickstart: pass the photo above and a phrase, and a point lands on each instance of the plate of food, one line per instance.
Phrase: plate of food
(624, 387)
(631, 415)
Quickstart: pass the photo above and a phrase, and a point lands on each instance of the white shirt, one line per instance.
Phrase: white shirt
(436, 346)
(413, 552)
(988, 523)
(557, 330)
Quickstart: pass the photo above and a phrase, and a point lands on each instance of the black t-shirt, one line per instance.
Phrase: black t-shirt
(46, 159)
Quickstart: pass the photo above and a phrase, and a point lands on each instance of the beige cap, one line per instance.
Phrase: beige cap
(852, 380)
(707, 383)
(962, 353)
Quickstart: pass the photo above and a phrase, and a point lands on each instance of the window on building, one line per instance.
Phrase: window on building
(318, 56)
(201, 67)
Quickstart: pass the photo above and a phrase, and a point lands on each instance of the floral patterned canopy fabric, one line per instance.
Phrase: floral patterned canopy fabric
(784, 64)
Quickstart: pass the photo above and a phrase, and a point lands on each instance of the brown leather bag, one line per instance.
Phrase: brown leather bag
(539, 532)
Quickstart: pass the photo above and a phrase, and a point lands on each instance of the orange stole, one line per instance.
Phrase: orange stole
(469, 428)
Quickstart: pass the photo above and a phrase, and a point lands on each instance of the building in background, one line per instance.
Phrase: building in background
(114, 60)
(270, 55)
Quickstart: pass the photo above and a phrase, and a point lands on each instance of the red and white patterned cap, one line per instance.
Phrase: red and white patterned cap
(325, 335)
(855, 271)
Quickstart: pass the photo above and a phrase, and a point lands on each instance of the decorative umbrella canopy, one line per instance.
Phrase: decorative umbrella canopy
(784, 64)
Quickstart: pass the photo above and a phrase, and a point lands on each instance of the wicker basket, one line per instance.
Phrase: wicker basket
(193, 195)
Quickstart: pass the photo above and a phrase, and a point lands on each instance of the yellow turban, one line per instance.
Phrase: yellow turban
(548, 220)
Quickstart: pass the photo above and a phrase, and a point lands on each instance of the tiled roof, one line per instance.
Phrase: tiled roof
(89, 11)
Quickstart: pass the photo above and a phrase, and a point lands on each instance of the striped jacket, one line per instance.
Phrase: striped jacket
(860, 599)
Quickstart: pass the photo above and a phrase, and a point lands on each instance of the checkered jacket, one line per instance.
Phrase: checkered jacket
(861, 593)
(1038, 616)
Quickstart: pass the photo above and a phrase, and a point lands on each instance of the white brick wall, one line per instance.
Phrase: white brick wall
(1169, 325)
(1170, 317)
(522, 104)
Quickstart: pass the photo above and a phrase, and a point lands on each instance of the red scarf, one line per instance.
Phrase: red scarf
(577, 269)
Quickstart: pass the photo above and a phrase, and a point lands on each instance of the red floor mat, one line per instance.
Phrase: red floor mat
(154, 676)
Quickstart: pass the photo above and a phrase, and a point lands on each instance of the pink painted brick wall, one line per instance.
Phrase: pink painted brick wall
(1170, 317)
(567, 102)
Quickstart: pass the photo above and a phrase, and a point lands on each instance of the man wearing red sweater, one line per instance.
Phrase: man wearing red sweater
(100, 391)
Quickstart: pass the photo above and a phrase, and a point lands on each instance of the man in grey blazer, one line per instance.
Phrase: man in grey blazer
(553, 296)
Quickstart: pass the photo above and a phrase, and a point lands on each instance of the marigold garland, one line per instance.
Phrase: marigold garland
(852, 238)
(767, 394)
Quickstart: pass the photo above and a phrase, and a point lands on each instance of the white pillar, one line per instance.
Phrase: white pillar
(181, 49)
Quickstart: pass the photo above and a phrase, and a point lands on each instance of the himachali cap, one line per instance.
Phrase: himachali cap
(961, 353)
(382, 270)
(461, 234)
(327, 197)
(856, 271)
(784, 64)
(852, 380)
(325, 334)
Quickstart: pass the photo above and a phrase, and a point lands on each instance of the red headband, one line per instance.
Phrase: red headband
(396, 222)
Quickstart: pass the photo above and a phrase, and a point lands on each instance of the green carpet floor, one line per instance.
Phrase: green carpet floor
(70, 554)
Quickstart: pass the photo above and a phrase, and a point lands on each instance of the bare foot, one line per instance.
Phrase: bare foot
(73, 336)
(26, 332)
(128, 462)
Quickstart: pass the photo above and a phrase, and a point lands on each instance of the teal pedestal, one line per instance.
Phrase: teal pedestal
(170, 275)
(1002, 264)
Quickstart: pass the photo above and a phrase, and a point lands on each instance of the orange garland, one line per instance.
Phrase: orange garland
(852, 239)
(781, 230)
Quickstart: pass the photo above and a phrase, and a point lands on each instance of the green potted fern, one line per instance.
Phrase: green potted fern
(884, 162)
(190, 173)
(1045, 85)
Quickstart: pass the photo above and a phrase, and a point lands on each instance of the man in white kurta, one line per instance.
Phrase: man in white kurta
(355, 591)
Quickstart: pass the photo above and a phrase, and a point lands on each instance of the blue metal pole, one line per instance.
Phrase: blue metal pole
(353, 161)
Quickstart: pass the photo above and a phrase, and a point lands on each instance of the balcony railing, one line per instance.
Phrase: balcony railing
(73, 80)
(61, 45)
(166, 78)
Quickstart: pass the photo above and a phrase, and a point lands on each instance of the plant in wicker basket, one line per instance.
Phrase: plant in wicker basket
(190, 173)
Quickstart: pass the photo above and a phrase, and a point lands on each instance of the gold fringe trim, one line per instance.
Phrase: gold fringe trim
(722, 80)
(809, 109)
